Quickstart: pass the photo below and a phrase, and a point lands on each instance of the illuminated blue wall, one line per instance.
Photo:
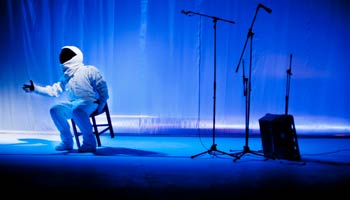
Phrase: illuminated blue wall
(159, 63)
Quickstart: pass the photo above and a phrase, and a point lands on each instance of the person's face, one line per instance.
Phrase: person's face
(66, 54)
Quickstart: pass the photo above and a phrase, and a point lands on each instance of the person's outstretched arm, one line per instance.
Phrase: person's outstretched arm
(50, 90)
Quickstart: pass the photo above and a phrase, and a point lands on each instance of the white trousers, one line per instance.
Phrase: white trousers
(80, 111)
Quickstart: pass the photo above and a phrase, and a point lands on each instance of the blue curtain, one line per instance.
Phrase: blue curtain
(159, 63)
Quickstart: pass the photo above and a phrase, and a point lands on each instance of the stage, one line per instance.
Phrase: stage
(163, 167)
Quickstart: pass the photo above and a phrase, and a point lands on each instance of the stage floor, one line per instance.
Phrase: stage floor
(163, 167)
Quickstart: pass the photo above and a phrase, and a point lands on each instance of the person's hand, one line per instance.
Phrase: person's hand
(28, 88)
(100, 107)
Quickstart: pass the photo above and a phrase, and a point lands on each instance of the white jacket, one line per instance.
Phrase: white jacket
(81, 82)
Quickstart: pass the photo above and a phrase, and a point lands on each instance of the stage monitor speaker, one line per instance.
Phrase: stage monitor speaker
(278, 136)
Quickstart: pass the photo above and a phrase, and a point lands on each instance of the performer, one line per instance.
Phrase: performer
(87, 92)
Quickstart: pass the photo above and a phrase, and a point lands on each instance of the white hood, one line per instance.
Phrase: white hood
(73, 64)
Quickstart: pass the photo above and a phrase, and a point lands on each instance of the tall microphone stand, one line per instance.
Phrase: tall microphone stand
(213, 147)
(247, 86)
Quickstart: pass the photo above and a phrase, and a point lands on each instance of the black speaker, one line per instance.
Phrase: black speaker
(278, 136)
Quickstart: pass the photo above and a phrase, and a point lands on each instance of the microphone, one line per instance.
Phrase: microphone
(265, 8)
(185, 12)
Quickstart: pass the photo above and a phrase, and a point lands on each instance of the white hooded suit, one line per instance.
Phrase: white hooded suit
(86, 90)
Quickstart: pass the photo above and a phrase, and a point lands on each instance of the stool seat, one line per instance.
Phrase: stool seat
(98, 129)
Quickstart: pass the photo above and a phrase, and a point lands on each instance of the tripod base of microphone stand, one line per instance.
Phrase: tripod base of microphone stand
(211, 150)
(246, 150)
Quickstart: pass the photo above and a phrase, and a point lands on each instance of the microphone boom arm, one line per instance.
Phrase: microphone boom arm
(249, 35)
(214, 18)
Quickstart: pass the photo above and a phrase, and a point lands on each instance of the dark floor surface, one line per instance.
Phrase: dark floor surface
(163, 167)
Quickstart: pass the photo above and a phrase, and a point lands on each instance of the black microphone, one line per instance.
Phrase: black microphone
(265, 8)
(185, 12)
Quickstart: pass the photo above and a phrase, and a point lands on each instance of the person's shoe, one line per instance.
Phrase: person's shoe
(85, 149)
(64, 147)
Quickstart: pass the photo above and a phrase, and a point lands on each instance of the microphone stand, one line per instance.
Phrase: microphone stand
(213, 147)
(247, 92)
(289, 73)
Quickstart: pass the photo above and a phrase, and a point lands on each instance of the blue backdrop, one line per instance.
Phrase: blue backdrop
(159, 63)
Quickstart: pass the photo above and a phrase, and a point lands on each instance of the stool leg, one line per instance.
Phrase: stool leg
(97, 134)
(109, 122)
(76, 134)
